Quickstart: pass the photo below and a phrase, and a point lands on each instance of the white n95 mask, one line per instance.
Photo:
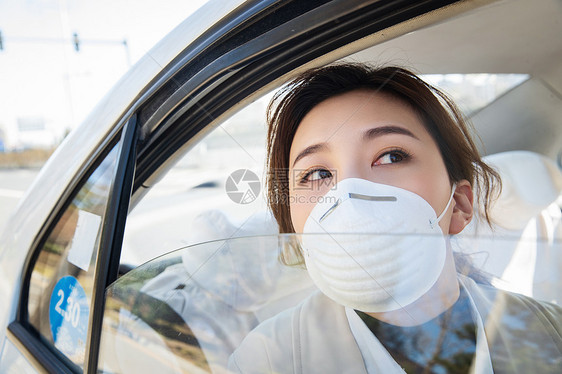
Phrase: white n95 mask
(391, 250)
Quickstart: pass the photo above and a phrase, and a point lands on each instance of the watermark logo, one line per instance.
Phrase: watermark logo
(243, 186)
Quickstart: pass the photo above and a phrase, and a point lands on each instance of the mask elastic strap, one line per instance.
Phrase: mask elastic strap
(446, 207)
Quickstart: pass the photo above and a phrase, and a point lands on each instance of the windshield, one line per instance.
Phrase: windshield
(202, 308)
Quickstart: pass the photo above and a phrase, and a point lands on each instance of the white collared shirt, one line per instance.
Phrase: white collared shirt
(378, 360)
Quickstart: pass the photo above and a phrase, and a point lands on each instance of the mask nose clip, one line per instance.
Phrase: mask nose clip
(359, 196)
(371, 197)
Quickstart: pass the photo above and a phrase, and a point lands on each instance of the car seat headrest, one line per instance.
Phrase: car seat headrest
(530, 183)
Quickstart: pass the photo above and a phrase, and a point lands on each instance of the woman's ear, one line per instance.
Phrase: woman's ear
(463, 208)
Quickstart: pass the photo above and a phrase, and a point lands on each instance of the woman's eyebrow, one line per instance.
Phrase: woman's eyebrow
(309, 150)
(385, 130)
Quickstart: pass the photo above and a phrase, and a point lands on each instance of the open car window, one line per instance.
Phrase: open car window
(221, 176)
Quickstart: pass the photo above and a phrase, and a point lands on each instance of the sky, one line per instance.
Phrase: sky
(44, 80)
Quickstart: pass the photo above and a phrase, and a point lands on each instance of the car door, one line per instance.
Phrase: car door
(58, 324)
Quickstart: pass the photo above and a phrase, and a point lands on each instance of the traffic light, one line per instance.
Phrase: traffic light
(76, 42)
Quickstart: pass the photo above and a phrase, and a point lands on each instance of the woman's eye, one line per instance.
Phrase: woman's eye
(391, 158)
(317, 174)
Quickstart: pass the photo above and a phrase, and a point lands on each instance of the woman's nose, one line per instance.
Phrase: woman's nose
(353, 171)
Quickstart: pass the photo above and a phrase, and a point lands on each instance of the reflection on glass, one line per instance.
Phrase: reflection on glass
(141, 326)
(444, 344)
(222, 305)
(220, 290)
(61, 282)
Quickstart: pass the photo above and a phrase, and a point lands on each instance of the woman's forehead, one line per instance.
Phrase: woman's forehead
(354, 115)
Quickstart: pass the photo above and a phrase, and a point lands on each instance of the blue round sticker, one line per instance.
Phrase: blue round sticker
(68, 317)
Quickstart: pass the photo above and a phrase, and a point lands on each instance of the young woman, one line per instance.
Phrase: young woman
(376, 169)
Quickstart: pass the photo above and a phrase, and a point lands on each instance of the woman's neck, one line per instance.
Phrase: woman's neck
(438, 299)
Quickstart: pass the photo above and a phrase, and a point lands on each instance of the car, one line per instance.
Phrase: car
(145, 243)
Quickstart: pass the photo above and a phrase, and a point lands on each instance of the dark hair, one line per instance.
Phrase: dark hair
(440, 116)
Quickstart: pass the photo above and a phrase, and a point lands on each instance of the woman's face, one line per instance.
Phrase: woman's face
(368, 135)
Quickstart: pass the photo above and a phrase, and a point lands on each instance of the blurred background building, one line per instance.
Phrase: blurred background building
(59, 57)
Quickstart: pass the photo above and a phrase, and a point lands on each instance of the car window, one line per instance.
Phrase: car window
(214, 192)
(219, 180)
(188, 310)
(193, 307)
(61, 283)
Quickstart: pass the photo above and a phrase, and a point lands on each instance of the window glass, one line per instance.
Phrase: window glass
(190, 310)
(61, 283)
(187, 311)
